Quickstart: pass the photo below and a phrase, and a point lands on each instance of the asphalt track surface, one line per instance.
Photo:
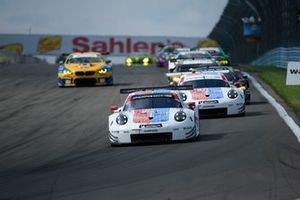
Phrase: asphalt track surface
(54, 145)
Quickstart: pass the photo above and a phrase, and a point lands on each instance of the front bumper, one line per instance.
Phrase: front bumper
(220, 109)
(74, 80)
(133, 136)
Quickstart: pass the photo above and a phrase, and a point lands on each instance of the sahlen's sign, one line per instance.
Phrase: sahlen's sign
(293, 73)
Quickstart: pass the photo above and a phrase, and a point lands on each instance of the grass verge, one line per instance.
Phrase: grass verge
(276, 78)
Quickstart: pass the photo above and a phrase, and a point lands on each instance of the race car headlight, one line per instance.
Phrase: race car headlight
(176, 79)
(128, 60)
(243, 88)
(223, 62)
(102, 71)
(67, 72)
(146, 60)
(183, 96)
(107, 68)
(232, 94)
(180, 116)
(121, 119)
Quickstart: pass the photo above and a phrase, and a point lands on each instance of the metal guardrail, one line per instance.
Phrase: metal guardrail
(279, 57)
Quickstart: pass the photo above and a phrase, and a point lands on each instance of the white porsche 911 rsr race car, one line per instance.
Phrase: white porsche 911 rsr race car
(188, 55)
(152, 115)
(187, 66)
(213, 94)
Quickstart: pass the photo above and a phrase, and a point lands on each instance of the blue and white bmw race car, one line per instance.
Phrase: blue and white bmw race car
(153, 115)
(213, 94)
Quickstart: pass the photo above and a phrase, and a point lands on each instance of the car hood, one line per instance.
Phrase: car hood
(147, 116)
(87, 66)
(208, 93)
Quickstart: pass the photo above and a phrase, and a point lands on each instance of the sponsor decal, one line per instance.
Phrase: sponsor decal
(141, 116)
(14, 47)
(117, 45)
(153, 95)
(206, 93)
(47, 44)
(84, 44)
(146, 116)
(293, 73)
(209, 102)
(150, 125)
(199, 94)
(160, 115)
(215, 93)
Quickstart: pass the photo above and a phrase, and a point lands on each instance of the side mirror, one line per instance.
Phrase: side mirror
(113, 108)
(237, 84)
(61, 62)
(191, 105)
(108, 61)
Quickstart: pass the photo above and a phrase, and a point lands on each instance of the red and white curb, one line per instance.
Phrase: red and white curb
(279, 108)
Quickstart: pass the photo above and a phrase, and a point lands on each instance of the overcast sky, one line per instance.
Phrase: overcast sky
(111, 17)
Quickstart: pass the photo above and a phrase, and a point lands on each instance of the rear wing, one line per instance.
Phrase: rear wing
(181, 87)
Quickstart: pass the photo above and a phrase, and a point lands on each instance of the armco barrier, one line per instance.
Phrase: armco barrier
(279, 57)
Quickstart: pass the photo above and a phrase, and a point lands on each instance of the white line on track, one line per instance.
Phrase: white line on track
(279, 108)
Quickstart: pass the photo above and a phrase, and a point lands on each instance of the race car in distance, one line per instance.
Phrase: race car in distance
(140, 58)
(217, 54)
(164, 55)
(155, 114)
(187, 66)
(234, 77)
(187, 55)
(213, 94)
(88, 68)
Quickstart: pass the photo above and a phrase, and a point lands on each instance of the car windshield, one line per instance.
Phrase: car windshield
(85, 60)
(152, 101)
(169, 50)
(190, 67)
(207, 83)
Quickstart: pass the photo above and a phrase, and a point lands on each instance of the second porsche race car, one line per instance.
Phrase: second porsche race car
(152, 115)
(187, 66)
(85, 68)
(213, 94)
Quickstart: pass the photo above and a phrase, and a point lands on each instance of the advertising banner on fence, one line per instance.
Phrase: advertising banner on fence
(117, 45)
(293, 73)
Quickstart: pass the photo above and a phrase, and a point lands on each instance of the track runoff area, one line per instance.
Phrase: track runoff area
(54, 145)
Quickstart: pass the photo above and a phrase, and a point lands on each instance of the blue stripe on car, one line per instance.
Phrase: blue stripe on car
(215, 93)
(158, 91)
(160, 115)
